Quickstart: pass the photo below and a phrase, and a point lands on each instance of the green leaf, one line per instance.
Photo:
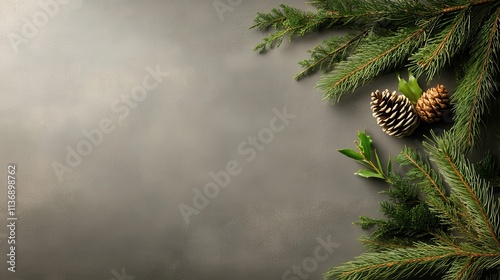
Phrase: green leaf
(413, 84)
(404, 88)
(378, 161)
(410, 89)
(366, 144)
(369, 174)
(351, 153)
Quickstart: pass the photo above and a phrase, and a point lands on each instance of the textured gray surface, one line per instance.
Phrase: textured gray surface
(116, 214)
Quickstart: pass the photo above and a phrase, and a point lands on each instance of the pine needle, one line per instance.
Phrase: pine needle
(377, 55)
(475, 90)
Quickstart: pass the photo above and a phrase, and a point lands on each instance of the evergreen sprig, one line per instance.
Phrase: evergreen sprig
(477, 88)
(425, 36)
(287, 21)
(408, 218)
(378, 55)
(333, 50)
(465, 246)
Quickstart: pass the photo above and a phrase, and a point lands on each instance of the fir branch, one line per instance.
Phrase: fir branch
(449, 209)
(418, 260)
(395, 263)
(382, 244)
(471, 252)
(371, 12)
(475, 90)
(407, 216)
(422, 171)
(264, 21)
(400, 13)
(471, 3)
(488, 167)
(379, 55)
(287, 22)
(450, 29)
(333, 50)
(474, 192)
(440, 50)
(460, 269)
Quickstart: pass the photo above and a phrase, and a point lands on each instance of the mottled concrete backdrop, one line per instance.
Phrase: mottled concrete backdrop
(151, 142)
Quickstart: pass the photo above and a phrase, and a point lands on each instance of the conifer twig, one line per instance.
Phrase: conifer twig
(425, 36)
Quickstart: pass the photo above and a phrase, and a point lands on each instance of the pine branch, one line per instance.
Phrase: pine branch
(474, 192)
(368, 12)
(396, 263)
(470, 249)
(460, 269)
(420, 259)
(378, 55)
(333, 50)
(421, 171)
(264, 21)
(469, 4)
(439, 51)
(287, 22)
(449, 209)
(475, 90)
(408, 218)
(381, 244)
(448, 32)
(488, 167)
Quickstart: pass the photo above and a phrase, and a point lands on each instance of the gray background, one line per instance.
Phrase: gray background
(118, 210)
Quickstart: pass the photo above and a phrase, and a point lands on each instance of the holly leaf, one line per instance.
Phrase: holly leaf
(365, 143)
(404, 88)
(351, 153)
(369, 174)
(378, 160)
(413, 84)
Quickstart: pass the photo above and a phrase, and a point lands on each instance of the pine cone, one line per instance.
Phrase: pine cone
(432, 104)
(394, 113)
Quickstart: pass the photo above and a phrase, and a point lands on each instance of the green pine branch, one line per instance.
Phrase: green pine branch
(380, 244)
(444, 205)
(469, 188)
(422, 259)
(475, 90)
(375, 56)
(408, 218)
(287, 22)
(488, 168)
(425, 36)
(439, 51)
(464, 241)
(333, 50)
(441, 218)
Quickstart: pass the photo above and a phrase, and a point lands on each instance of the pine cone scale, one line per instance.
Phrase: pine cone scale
(394, 113)
(432, 104)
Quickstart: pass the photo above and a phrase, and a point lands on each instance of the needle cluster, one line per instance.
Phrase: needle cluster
(386, 35)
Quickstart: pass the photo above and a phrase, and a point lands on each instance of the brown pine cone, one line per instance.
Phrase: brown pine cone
(432, 104)
(394, 113)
